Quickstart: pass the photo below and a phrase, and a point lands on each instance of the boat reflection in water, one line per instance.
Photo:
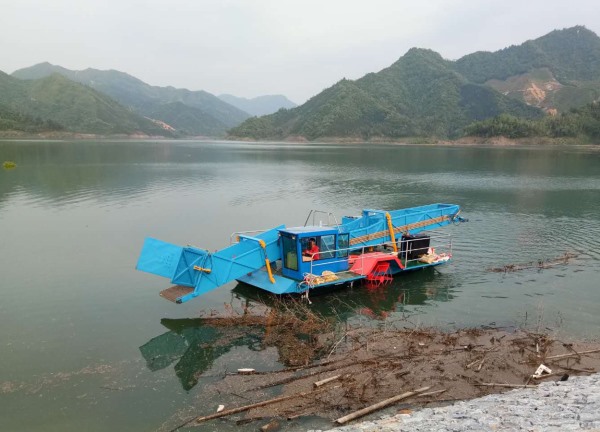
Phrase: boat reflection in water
(194, 347)
(195, 344)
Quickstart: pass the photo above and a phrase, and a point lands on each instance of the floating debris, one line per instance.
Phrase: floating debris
(364, 373)
(9, 165)
(539, 264)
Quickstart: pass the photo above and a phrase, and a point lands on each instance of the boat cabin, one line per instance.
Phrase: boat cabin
(313, 249)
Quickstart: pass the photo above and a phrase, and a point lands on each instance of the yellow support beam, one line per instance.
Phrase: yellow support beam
(391, 228)
(399, 230)
(267, 262)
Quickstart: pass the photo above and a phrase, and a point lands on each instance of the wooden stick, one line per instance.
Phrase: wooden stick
(308, 375)
(201, 419)
(587, 370)
(472, 363)
(505, 385)
(432, 393)
(325, 381)
(575, 354)
(379, 405)
(480, 364)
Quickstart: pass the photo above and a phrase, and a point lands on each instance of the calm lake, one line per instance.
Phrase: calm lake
(87, 344)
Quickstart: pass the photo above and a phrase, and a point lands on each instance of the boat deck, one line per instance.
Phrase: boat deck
(342, 278)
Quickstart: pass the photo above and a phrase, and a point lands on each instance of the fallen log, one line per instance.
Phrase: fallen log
(379, 405)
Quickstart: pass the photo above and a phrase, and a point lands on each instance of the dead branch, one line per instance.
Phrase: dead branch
(574, 354)
(432, 393)
(505, 385)
(197, 420)
(379, 405)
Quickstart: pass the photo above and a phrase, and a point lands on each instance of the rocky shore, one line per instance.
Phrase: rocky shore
(570, 405)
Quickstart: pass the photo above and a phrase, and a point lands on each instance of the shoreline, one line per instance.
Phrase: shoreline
(499, 141)
(572, 404)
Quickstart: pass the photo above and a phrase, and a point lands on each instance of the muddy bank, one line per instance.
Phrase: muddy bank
(357, 367)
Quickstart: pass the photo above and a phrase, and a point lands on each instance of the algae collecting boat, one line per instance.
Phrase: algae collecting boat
(322, 253)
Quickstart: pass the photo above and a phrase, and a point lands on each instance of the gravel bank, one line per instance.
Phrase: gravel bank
(552, 406)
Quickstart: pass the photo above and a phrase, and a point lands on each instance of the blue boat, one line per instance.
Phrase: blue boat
(323, 253)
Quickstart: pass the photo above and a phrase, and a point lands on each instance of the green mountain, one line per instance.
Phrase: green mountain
(556, 72)
(189, 112)
(57, 103)
(419, 95)
(261, 105)
(424, 95)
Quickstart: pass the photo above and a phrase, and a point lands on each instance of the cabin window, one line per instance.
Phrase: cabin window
(327, 246)
(290, 255)
(311, 248)
(343, 244)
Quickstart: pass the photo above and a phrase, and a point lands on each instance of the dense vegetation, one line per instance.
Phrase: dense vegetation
(55, 103)
(419, 95)
(582, 123)
(424, 95)
(571, 54)
(190, 112)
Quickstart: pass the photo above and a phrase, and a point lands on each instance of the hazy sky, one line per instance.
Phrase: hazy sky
(255, 47)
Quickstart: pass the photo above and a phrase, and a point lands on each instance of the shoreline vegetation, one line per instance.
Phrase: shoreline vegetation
(499, 141)
(340, 373)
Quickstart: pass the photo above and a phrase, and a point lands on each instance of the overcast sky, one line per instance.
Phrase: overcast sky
(256, 47)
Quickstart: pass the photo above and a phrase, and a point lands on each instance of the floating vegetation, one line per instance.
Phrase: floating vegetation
(290, 325)
(9, 165)
(539, 264)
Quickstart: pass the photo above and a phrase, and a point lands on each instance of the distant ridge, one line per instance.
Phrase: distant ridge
(189, 112)
(55, 103)
(260, 105)
(424, 95)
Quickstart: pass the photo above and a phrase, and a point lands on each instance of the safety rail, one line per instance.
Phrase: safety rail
(237, 234)
(314, 214)
(440, 246)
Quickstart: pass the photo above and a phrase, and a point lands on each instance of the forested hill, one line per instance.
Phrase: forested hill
(424, 95)
(55, 103)
(188, 112)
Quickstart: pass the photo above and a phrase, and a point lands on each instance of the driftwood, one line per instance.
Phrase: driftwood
(379, 405)
(587, 370)
(325, 381)
(505, 385)
(540, 264)
(575, 354)
(432, 393)
(197, 420)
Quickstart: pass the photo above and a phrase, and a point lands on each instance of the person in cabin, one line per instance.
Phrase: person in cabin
(312, 250)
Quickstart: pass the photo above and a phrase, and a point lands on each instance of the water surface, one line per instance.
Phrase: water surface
(73, 216)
